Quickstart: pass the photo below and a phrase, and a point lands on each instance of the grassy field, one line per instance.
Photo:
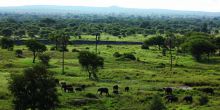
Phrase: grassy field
(145, 78)
(106, 37)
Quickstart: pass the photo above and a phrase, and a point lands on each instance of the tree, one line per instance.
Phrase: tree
(170, 44)
(198, 47)
(7, 32)
(63, 42)
(44, 58)
(7, 43)
(20, 33)
(34, 89)
(156, 40)
(90, 62)
(36, 48)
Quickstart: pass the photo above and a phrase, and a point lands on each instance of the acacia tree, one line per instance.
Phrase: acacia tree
(34, 89)
(198, 47)
(7, 43)
(91, 63)
(36, 48)
(156, 40)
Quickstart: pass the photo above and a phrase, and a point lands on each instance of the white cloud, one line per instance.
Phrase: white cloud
(195, 5)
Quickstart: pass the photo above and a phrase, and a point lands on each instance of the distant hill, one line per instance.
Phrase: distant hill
(45, 9)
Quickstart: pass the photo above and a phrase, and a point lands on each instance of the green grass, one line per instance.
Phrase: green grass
(107, 37)
(143, 77)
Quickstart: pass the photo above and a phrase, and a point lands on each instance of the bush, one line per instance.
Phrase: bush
(75, 50)
(87, 48)
(156, 104)
(117, 54)
(129, 56)
(63, 49)
(203, 100)
(53, 48)
(144, 47)
(19, 53)
(44, 58)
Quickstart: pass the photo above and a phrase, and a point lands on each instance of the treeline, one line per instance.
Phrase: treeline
(44, 26)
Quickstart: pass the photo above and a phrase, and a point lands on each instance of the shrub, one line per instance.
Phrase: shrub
(156, 104)
(19, 53)
(63, 49)
(144, 47)
(44, 58)
(87, 48)
(203, 100)
(129, 56)
(117, 54)
(75, 50)
(109, 46)
(53, 48)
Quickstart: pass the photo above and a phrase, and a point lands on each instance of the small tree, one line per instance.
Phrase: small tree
(7, 43)
(36, 48)
(19, 53)
(170, 44)
(156, 104)
(34, 89)
(90, 62)
(156, 40)
(44, 58)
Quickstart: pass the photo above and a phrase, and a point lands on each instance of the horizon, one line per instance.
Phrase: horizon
(187, 5)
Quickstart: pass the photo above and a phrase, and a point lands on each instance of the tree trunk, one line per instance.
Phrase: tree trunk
(56, 44)
(90, 75)
(171, 60)
(96, 46)
(34, 54)
(63, 60)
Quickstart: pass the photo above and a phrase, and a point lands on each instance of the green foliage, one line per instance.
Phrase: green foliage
(198, 47)
(36, 48)
(129, 56)
(144, 46)
(35, 89)
(7, 43)
(156, 40)
(7, 32)
(19, 53)
(90, 62)
(117, 54)
(44, 58)
(156, 104)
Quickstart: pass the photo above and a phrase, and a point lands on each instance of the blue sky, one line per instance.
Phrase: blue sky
(189, 5)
